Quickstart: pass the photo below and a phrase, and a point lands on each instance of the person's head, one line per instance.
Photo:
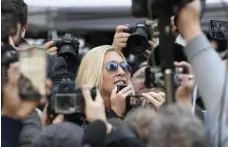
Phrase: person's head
(139, 120)
(175, 125)
(19, 10)
(103, 67)
(60, 135)
(138, 77)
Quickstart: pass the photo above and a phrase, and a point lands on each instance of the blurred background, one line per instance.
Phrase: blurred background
(93, 22)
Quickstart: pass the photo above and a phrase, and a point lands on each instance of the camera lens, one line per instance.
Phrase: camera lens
(138, 41)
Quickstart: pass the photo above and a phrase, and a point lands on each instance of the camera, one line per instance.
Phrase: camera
(68, 48)
(67, 45)
(155, 78)
(137, 42)
(67, 99)
(144, 8)
(154, 8)
(9, 55)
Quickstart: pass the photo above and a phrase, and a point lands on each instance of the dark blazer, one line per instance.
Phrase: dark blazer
(31, 126)
(10, 132)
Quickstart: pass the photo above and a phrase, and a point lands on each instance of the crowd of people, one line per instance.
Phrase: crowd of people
(197, 119)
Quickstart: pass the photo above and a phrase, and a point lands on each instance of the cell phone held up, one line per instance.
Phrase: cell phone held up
(32, 66)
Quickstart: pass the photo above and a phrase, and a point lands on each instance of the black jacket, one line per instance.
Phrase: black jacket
(10, 132)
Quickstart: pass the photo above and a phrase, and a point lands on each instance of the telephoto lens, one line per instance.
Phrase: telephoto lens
(137, 42)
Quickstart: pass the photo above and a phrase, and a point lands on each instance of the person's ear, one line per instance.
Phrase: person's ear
(24, 29)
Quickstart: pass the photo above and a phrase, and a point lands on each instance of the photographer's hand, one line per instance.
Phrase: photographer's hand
(13, 105)
(120, 37)
(184, 91)
(118, 100)
(157, 99)
(94, 109)
(51, 50)
(153, 43)
(188, 22)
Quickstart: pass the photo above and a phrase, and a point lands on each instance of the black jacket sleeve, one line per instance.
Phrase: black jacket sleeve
(10, 132)
(95, 134)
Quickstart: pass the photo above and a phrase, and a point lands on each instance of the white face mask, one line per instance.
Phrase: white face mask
(180, 40)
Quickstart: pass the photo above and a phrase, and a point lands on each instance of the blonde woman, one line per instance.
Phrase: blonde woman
(105, 68)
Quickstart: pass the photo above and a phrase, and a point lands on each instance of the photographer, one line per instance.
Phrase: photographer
(14, 24)
(210, 71)
(14, 108)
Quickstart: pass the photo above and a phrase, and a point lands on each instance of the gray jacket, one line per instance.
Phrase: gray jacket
(210, 76)
(31, 127)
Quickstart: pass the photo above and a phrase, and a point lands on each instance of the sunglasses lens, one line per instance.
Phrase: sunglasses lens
(125, 67)
(112, 67)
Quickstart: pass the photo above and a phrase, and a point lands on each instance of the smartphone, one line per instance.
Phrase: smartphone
(32, 66)
(120, 87)
(218, 29)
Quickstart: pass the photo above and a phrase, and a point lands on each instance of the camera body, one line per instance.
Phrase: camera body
(137, 42)
(143, 8)
(67, 45)
(67, 99)
(68, 48)
(155, 78)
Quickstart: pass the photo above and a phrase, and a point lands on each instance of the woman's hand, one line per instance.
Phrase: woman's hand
(94, 109)
(157, 99)
(118, 100)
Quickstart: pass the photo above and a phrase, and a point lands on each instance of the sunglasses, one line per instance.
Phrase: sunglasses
(112, 67)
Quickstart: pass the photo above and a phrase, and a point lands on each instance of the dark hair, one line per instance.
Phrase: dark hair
(18, 8)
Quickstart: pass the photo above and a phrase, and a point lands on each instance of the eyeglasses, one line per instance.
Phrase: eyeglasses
(112, 67)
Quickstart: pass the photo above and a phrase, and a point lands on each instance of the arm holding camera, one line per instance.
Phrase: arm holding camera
(51, 50)
(209, 70)
(121, 37)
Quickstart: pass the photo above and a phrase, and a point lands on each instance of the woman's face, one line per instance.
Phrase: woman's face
(115, 71)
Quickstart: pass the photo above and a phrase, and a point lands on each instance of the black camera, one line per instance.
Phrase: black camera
(137, 42)
(9, 55)
(143, 8)
(67, 45)
(67, 99)
(155, 78)
(154, 8)
(68, 48)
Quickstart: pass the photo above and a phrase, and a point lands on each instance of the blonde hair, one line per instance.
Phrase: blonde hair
(91, 67)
